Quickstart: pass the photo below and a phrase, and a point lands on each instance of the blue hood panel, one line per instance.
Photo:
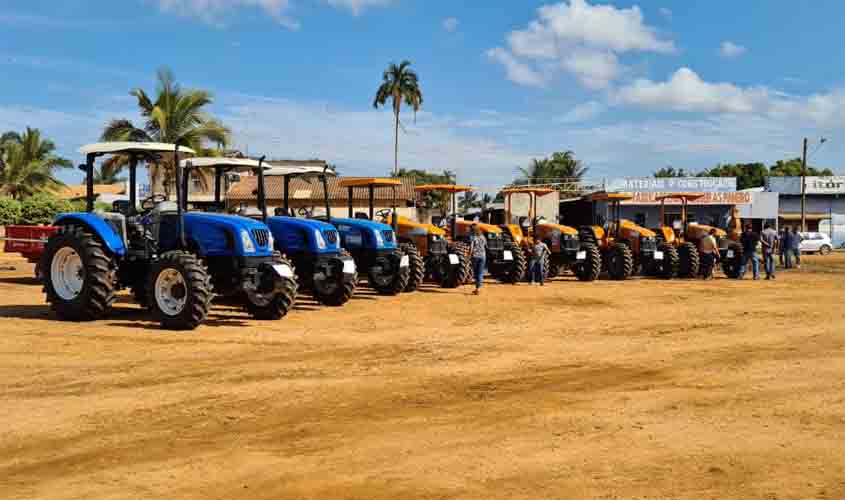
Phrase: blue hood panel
(295, 235)
(361, 223)
(217, 233)
(359, 234)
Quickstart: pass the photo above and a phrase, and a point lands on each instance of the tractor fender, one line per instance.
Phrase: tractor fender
(97, 226)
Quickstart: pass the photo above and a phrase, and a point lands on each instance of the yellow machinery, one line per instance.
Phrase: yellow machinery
(627, 248)
(566, 249)
(505, 261)
(686, 236)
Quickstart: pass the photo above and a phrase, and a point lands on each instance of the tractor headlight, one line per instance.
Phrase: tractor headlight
(246, 241)
(318, 237)
(379, 238)
(270, 241)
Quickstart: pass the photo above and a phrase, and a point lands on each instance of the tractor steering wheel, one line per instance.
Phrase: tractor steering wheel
(150, 202)
(304, 212)
(384, 213)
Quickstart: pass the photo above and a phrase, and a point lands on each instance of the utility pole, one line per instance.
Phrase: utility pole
(804, 188)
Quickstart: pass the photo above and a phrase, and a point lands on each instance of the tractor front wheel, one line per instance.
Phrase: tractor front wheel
(274, 306)
(79, 277)
(457, 275)
(390, 282)
(731, 266)
(590, 268)
(467, 273)
(416, 267)
(668, 267)
(688, 261)
(179, 291)
(620, 262)
(515, 272)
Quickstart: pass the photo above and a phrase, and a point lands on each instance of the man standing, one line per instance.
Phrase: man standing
(782, 234)
(538, 274)
(478, 252)
(769, 241)
(786, 245)
(796, 240)
(749, 241)
(709, 251)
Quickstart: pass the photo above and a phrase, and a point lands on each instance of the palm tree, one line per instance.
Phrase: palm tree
(399, 83)
(109, 172)
(177, 116)
(560, 167)
(536, 172)
(28, 163)
(470, 200)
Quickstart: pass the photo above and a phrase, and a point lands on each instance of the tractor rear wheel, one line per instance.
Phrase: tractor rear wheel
(688, 261)
(590, 269)
(338, 293)
(456, 275)
(620, 262)
(390, 283)
(467, 273)
(179, 291)
(732, 265)
(267, 307)
(416, 267)
(668, 267)
(554, 269)
(79, 277)
(519, 266)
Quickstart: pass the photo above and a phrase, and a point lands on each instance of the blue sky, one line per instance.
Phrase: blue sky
(629, 86)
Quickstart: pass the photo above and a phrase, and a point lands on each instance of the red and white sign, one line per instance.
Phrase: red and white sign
(726, 198)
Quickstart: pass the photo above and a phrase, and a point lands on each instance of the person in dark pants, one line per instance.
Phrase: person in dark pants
(538, 274)
(749, 241)
(782, 246)
(769, 242)
(786, 245)
(796, 246)
(478, 252)
(708, 248)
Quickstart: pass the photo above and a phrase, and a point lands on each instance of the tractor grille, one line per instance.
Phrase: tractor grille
(495, 242)
(437, 246)
(569, 242)
(648, 245)
(388, 235)
(262, 237)
(331, 236)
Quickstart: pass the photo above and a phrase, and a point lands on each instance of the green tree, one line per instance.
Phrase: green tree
(748, 175)
(28, 164)
(176, 116)
(670, 172)
(399, 84)
(470, 200)
(792, 168)
(432, 200)
(561, 166)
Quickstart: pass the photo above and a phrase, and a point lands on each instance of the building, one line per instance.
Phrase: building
(825, 207)
(714, 207)
(308, 195)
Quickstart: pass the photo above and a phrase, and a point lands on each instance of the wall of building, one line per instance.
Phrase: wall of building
(548, 206)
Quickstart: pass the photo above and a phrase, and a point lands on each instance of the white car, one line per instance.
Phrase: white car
(816, 243)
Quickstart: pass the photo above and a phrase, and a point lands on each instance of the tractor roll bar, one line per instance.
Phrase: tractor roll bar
(179, 195)
(262, 194)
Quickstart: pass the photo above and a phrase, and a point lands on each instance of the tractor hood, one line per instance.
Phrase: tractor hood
(486, 228)
(215, 234)
(294, 222)
(560, 227)
(351, 229)
(224, 220)
(295, 235)
(631, 227)
(407, 225)
(701, 230)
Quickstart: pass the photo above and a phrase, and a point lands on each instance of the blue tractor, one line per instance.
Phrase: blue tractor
(313, 247)
(372, 244)
(169, 258)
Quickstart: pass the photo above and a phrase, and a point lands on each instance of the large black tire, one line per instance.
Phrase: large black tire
(668, 267)
(96, 295)
(276, 307)
(467, 272)
(689, 261)
(731, 266)
(554, 269)
(514, 273)
(393, 284)
(340, 293)
(416, 267)
(192, 282)
(620, 262)
(590, 269)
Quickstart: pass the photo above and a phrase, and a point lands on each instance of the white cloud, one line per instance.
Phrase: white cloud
(583, 112)
(582, 39)
(517, 71)
(450, 24)
(730, 50)
(686, 91)
(358, 6)
(213, 11)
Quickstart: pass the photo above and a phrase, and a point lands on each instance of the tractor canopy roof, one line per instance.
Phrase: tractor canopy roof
(275, 170)
(604, 196)
(448, 188)
(116, 148)
(369, 181)
(227, 163)
(680, 196)
(537, 191)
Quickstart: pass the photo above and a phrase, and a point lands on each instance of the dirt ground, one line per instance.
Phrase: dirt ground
(636, 390)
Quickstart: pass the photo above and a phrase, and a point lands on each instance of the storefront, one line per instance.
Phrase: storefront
(825, 206)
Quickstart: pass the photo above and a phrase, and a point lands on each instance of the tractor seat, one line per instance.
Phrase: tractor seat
(251, 212)
(362, 215)
(165, 207)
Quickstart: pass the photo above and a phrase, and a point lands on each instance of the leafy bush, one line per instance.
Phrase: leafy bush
(43, 208)
(10, 211)
(78, 205)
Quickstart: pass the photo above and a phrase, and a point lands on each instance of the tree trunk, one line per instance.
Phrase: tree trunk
(396, 144)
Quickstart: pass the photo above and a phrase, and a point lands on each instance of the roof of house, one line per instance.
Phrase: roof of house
(80, 191)
(313, 191)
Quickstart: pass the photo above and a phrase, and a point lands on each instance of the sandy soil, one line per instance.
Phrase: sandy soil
(636, 390)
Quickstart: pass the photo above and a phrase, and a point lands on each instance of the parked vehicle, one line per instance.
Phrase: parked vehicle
(28, 241)
(816, 243)
(168, 257)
